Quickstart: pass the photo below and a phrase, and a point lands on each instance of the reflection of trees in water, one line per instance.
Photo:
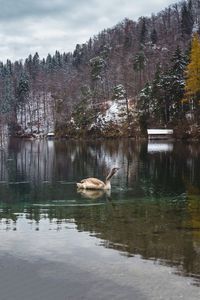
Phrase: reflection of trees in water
(32, 160)
(3, 169)
(167, 172)
(38, 165)
(40, 161)
(95, 159)
(30, 164)
(164, 227)
(161, 230)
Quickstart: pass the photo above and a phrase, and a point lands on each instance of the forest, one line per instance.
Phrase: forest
(137, 75)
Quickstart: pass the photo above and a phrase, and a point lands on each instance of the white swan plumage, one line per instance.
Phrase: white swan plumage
(96, 184)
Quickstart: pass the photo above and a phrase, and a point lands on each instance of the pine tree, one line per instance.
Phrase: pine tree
(23, 89)
(77, 56)
(177, 82)
(144, 107)
(119, 92)
(36, 64)
(49, 64)
(144, 100)
(84, 112)
(139, 63)
(143, 32)
(8, 98)
(151, 98)
(187, 20)
(154, 36)
(160, 96)
(97, 66)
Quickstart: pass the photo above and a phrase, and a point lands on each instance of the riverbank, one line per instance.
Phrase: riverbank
(183, 131)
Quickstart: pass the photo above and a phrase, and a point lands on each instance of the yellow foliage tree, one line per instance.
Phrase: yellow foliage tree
(192, 84)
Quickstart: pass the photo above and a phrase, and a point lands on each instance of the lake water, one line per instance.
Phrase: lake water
(142, 239)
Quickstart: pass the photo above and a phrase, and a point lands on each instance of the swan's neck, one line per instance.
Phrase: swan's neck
(110, 175)
(107, 182)
(107, 185)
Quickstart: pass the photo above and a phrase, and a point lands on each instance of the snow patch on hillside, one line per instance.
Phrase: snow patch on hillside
(115, 113)
(37, 115)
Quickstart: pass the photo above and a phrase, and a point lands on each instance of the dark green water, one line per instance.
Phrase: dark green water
(153, 210)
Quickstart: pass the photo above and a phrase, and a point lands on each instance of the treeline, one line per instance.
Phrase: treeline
(147, 58)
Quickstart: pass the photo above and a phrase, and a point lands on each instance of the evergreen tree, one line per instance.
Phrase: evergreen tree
(177, 82)
(144, 104)
(35, 66)
(119, 92)
(23, 89)
(187, 19)
(84, 112)
(154, 36)
(49, 63)
(143, 32)
(139, 63)
(97, 66)
(159, 104)
(144, 107)
(28, 66)
(8, 97)
(58, 59)
(128, 36)
(77, 56)
(161, 100)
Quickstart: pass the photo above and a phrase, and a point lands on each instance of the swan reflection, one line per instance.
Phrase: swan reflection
(94, 194)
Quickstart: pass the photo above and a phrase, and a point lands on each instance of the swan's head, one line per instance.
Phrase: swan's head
(114, 170)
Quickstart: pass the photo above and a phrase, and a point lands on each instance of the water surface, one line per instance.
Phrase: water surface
(149, 225)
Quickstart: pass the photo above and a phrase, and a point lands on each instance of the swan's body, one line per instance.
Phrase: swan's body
(93, 194)
(96, 184)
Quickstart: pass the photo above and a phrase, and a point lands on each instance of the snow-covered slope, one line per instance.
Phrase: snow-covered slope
(116, 113)
(37, 115)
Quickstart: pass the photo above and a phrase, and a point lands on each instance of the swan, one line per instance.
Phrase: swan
(96, 184)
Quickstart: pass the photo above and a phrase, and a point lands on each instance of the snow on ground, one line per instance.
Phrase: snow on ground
(37, 115)
(115, 113)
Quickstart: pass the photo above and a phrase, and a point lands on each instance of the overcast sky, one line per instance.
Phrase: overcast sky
(27, 26)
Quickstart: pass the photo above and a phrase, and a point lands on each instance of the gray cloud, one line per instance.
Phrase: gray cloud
(15, 10)
(27, 26)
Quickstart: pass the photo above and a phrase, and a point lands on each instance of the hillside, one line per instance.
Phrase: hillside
(70, 92)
